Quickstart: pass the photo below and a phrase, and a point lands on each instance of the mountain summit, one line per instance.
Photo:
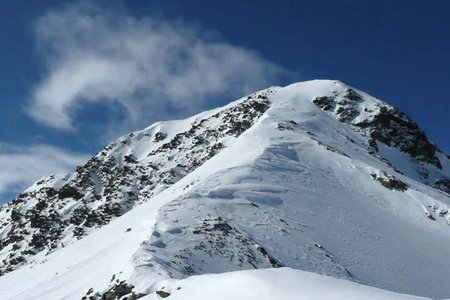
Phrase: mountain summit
(316, 176)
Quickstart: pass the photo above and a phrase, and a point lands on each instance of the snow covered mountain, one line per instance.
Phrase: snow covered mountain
(316, 176)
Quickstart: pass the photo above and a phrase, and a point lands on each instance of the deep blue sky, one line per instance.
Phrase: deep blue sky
(397, 50)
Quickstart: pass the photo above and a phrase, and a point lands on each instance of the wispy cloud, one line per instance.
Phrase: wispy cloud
(21, 166)
(149, 67)
(146, 65)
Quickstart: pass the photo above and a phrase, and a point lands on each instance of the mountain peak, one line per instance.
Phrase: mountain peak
(287, 176)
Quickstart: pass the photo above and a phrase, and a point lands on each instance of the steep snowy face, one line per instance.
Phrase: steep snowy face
(390, 133)
(324, 194)
(316, 176)
(59, 209)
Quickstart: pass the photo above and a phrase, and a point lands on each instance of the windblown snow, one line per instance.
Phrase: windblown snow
(314, 177)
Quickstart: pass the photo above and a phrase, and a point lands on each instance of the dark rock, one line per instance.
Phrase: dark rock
(68, 191)
(51, 192)
(17, 260)
(273, 261)
(15, 238)
(119, 290)
(15, 215)
(443, 185)
(325, 103)
(129, 159)
(395, 129)
(220, 239)
(352, 95)
(40, 205)
(37, 241)
(390, 182)
(163, 294)
(430, 216)
(346, 112)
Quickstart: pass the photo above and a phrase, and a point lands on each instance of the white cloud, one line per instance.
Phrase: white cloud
(21, 166)
(143, 64)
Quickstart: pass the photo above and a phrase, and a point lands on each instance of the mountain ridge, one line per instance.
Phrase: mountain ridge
(264, 146)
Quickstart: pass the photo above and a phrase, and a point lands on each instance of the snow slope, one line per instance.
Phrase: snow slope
(321, 178)
(59, 210)
(269, 284)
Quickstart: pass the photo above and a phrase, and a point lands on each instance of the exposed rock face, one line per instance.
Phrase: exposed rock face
(393, 128)
(387, 125)
(346, 106)
(443, 185)
(109, 185)
(213, 232)
(343, 105)
(382, 123)
(390, 182)
(118, 290)
(325, 103)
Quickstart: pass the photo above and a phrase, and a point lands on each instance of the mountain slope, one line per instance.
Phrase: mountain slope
(260, 284)
(57, 210)
(316, 176)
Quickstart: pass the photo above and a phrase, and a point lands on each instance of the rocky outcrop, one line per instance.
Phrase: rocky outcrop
(390, 182)
(108, 185)
(383, 124)
(443, 184)
(395, 129)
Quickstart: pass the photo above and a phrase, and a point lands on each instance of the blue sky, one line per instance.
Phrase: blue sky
(75, 75)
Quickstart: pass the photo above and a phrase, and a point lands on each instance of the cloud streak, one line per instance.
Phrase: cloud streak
(21, 166)
(150, 68)
(145, 65)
